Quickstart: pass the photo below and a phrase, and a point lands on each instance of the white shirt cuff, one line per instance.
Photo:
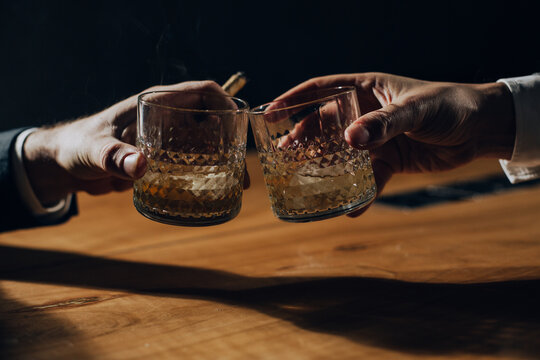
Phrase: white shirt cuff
(25, 188)
(525, 162)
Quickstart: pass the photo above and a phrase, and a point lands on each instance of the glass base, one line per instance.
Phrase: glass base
(342, 210)
(186, 221)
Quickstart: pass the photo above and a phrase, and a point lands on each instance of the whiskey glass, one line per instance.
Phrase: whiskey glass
(311, 173)
(195, 146)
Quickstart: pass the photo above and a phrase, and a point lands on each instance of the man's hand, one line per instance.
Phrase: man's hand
(416, 126)
(93, 154)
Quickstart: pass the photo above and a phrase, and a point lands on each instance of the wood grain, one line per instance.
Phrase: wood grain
(452, 281)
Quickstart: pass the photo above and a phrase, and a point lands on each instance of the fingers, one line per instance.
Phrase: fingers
(121, 160)
(206, 85)
(377, 127)
(126, 110)
(303, 131)
(324, 82)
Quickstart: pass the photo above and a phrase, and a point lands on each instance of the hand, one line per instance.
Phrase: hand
(93, 154)
(416, 126)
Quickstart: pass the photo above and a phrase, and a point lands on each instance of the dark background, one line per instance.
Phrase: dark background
(66, 59)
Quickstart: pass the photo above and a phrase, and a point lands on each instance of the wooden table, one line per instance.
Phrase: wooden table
(458, 280)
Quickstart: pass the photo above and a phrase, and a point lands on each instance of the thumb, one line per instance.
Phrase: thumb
(121, 160)
(377, 127)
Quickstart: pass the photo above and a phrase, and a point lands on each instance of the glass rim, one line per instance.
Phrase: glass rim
(345, 89)
(245, 105)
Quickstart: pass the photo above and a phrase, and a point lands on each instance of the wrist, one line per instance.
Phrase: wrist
(49, 181)
(496, 130)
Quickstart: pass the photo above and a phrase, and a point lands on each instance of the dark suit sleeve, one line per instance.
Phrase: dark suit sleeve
(13, 213)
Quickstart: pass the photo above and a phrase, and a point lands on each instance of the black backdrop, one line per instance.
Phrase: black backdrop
(65, 59)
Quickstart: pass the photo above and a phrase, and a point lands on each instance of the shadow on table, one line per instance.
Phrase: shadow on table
(21, 332)
(488, 318)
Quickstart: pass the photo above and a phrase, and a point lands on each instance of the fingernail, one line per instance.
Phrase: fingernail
(134, 165)
(357, 135)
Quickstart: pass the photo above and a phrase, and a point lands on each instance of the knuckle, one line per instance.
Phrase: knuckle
(388, 122)
(380, 124)
(108, 155)
(318, 81)
(210, 85)
(153, 88)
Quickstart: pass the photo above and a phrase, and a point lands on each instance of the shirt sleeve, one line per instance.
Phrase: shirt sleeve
(525, 162)
(14, 214)
(45, 214)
